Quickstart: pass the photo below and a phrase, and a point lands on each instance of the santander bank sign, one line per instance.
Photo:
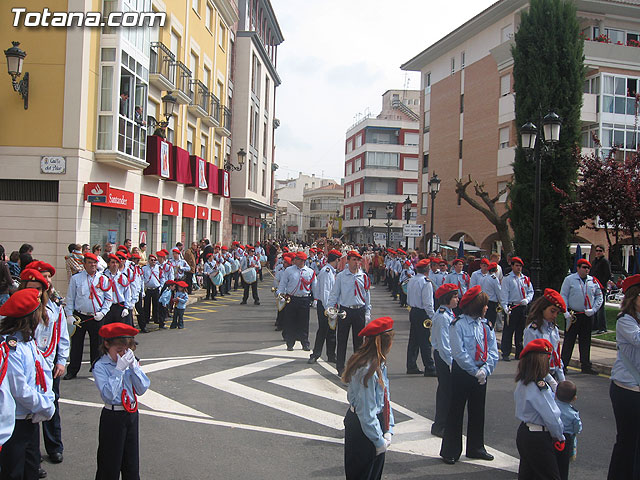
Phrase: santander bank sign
(116, 198)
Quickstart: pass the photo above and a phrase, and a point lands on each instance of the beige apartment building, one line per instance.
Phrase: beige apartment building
(467, 108)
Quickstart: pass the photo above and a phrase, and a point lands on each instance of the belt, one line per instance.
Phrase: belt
(152, 288)
(85, 314)
(24, 417)
(115, 408)
(535, 428)
(355, 307)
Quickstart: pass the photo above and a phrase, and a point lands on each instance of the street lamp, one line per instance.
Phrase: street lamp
(407, 216)
(434, 188)
(389, 208)
(370, 214)
(242, 156)
(529, 141)
(168, 104)
(15, 59)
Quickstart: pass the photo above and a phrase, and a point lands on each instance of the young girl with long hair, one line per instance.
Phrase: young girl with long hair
(369, 420)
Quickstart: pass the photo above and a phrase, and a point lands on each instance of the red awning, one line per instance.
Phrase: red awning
(292, 229)
(216, 215)
(149, 204)
(237, 219)
(250, 221)
(188, 210)
(169, 207)
(118, 199)
(203, 213)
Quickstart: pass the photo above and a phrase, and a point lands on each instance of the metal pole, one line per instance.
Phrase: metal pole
(388, 229)
(535, 260)
(433, 201)
(406, 241)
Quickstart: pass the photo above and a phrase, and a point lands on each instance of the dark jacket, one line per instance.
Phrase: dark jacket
(601, 269)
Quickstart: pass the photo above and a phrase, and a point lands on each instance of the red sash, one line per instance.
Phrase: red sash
(366, 283)
(305, 285)
(481, 354)
(40, 379)
(555, 358)
(386, 412)
(55, 336)
(4, 360)
(126, 401)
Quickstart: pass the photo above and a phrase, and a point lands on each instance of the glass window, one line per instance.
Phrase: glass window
(105, 137)
(108, 225)
(505, 85)
(608, 84)
(187, 231)
(190, 136)
(409, 188)
(208, 16)
(358, 140)
(620, 86)
(504, 137)
(620, 105)
(607, 104)
(147, 231)
(382, 160)
(168, 231)
(411, 139)
(410, 164)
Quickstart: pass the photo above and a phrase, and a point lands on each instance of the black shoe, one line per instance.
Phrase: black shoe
(332, 360)
(69, 376)
(449, 460)
(289, 349)
(162, 327)
(306, 348)
(589, 371)
(56, 457)
(257, 302)
(505, 358)
(214, 298)
(430, 373)
(414, 371)
(172, 327)
(481, 455)
(244, 302)
(312, 360)
(278, 329)
(206, 298)
(437, 432)
(144, 330)
(42, 473)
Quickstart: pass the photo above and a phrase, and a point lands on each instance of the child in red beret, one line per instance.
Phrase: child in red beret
(180, 297)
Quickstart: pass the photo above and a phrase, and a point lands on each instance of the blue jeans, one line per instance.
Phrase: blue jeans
(178, 318)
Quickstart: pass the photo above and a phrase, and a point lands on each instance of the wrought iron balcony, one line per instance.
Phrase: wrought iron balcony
(214, 112)
(183, 84)
(162, 67)
(225, 124)
(200, 102)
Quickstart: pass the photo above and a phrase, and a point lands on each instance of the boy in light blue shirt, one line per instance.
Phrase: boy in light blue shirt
(180, 297)
(571, 423)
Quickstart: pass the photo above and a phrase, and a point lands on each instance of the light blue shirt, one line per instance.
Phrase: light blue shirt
(210, 266)
(165, 298)
(151, 276)
(405, 274)
(344, 290)
(7, 405)
(166, 272)
(396, 265)
(548, 331)
(21, 377)
(460, 279)
(111, 381)
(491, 286)
(137, 284)
(44, 336)
(250, 261)
(368, 402)
(464, 335)
(437, 278)
(83, 298)
(512, 290)
(290, 281)
(476, 276)
(441, 323)
(120, 288)
(537, 406)
(581, 295)
(628, 342)
(324, 285)
(420, 294)
(182, 300)
(570, 418)
(180, 267)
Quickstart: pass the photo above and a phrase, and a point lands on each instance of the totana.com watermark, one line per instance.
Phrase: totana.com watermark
(46, 18)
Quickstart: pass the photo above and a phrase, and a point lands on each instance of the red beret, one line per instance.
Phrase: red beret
(446, 288)
(182, 284)
(117, 330)
(517, 260)
(225, 248)
(376, 327)
(401, 252)
(584, 261)
(484, 261)
(312, 250)
(424, 263)
(470, 295)
(175, 250)
(493, 266)
(90, 256)
(285, 249)
(31, 275)
(289, 256)
(391, 250)
(121, 256)
(21, 303)
(442, 262)
(41, 266)
(539, 345)
(354, 253)
(555, 298)
(209, 255)
(257, 243)
(301, 255)
(113, 257)
(123, 248)
(335, 252)
(457, 260)
(170, 282)
(407, 263)
(235, 242)
(161, 253)
(250, 247)
(630, 282)
(152, 256)
(135, 255)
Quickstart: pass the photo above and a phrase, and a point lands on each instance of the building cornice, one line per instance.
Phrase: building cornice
(252, 204)
(263, 54)
(228, 11)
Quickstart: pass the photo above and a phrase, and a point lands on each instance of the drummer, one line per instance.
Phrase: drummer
(406, 273)
(210, 267)
(250, 261)
(286, 261)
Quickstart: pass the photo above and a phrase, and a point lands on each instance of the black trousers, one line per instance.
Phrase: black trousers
(419, 340)
(296, 321)
(443, 394)
(465, 392)
(227, 282)
(115, 315)
(564, 457)
(515, 328)
(581, 329)
(492, 314)
(118, 447)
(77, 343)
(625, 458)
(354, 322)
(360, 459)
(211, 288)
(254, 290)
(20, 456)
(236, 276)
(188, 277)
(324, 334)
(150, 300)
(537, 455)
(51, 429)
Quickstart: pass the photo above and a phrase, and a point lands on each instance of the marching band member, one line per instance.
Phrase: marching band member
(89, 299)
(541, 323)
(227, 257)
(447, 297)
(406, 273)
(210, 266)
(180, 298)
(387, 267)
(53, 341)
(351, 294)
(238, 254)
(326, 280)
(119, 380)
(517, 293)
(368, 424)
(29, 381)
(475, 354)
(122, 304)
(624, 389)
(458, 277)
(478, 275)
(435, 275)
(491, 286)
(250, 261)
(283, 263)
(582, 294)
(396, 267)
(298, 282)
(540, 431)
(420, 299)
(166, 269)
(321, 260)
(151, 275)
(259, 252)
(136, 284)
(179, 265)
(7, 403)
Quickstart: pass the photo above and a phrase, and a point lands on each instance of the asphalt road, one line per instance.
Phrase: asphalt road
(228, 401)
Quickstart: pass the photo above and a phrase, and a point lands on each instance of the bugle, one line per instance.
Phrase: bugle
(427, 323)
(282, 300)
(333, 314)
(572, 319)
(77, 323)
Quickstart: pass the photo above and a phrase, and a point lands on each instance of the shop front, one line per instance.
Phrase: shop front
(170, 210)
(149, 210)
(201, 223)
(188, 215)
(110, 218)
(237, 226)
(215, 233)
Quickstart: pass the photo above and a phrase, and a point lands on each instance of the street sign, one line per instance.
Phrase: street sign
(411, 230)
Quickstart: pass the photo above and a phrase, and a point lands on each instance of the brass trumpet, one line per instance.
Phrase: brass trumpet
(572, 319)
(282, 301)
(499, 308)
(333, 314)
(427, 323)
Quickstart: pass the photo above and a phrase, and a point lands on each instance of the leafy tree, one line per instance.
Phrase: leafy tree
(548, 76)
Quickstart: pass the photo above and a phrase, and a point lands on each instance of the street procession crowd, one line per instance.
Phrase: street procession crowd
(455, 309)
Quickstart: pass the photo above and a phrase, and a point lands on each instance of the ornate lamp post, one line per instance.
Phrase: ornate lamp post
(389, 208)
(434, 188)
(407, 216)
(370, 214)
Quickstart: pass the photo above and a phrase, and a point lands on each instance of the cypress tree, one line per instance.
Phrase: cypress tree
(548, 77)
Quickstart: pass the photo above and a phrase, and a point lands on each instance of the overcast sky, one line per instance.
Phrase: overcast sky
(337, 59)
